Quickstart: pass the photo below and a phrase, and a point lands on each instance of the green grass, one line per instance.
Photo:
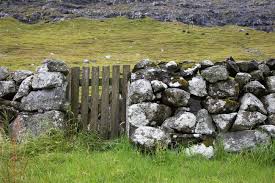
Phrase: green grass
(86, 159)
(126, 41)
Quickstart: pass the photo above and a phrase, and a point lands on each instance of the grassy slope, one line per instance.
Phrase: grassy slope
(127, 41)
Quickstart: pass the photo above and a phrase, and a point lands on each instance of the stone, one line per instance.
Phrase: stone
(214, 105)
(140, 91)
(28, 125)
(271, 63)
(224, 122)
(54, 66)
(255, 87)
(4, 73)
(143, 114)
(242, 78)
(171, 66)
(151, 73)
(143, 64)
(24, 88)
(206, 63)
(158, 86)
(19, 76)
(48, 80)
(204, 123)
(224, 89)
(178, 82)
(270, 129)
(195, 104)
(248, 120)
(243, 140)
(197, 86)
(232, 67)
(200, 149)
(179, 139)
(270, 82)
(182, 122)
(150, 138)
(215, 73)
(182, 109)
(45, 100)
(190, 71)
(269, 102)
(264, 68)
(246, 66)
(7, 88)
(271, 119)
(175, 97)
(257, 75)
(250, 102)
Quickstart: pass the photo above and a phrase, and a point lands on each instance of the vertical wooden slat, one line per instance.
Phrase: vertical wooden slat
(125, 79)
(85, 97)
(104, 126)
(115, 102)
(68, 90)
(95, 97)
(75, 92)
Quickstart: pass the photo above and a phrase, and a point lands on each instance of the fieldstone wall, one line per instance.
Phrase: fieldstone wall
(231, 101)
(32, 103)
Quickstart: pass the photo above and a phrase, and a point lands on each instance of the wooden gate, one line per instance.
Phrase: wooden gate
(98, 101)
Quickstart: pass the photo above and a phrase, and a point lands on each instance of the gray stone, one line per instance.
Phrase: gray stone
(182, 109)
(181, 122)
(7, 87)
(271, 63)
(269, 101)
(140, 91)
(19, 76)
(214, 105)
(175, 97)
(264, 68)
(150, 138)
(215, 73)
(200, 149)
(248, 120)
(143, 64)
(271, 119)
(28, 125)
(232, 67)
(270, 129)
(151, 73)
(224, 89)
(204, 123)
(4, 73)
(158, 86)
(54, 66)
(242, 78)
(197, 86)
(206, 63)
(255, 87)
(224, 122)
(190, 71)
(24, 88)
(47, 80)
(244, 140)
(270, 82)
(171, 66)
(246, 66)
(143, 114)
(250, 102)
(257, 75)
(195, 104)
(178, 82)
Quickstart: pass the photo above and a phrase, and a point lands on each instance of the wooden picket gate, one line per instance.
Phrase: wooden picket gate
(99, 99)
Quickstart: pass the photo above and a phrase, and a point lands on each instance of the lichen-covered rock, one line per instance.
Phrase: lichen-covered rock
(264, 68)
(175, 97)
(190, 71)
(143, 114)
(178, 82)
(158, 86)
(224, 89)
(250, 102)
(19, 76)
(200, 149)
(271, 63)
(257, 75)
(244, 140)
(150, 138)
(204, 123)
(206, 63)
(270, 82)
(214, 105)
(215, 73)
(28, 125)
(255, 87)
(4, 73)
(269, 101)
(49, 99)
(224, 122)
(140, 91)
(143, 64)
(151, 73)
(248, 66)
(47, 80)
(24, 88)
(242, 78)
(270, 129)
(248, 120)
(54, 66)
(7, 87)
(197, 86)
(181, 122)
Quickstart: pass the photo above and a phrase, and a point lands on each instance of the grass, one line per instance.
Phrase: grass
(87, 159)
(127, 41)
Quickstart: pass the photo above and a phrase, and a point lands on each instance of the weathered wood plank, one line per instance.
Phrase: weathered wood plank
(95, 99)
(85, 98)
(124, 92)
(115, 102)
(68, 89)
(99, 81)
(75, 74)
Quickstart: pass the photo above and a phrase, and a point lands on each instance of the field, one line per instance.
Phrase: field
(124, 41)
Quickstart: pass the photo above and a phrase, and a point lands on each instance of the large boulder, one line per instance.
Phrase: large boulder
(224, 122)
(143, 64)
(200, 149)
(140, 91)
(255, 87)
(150, 138)
(248, 66)
(270, 82)
(175, 97)
(158, 86)
(242, 78)
(224, 89)
(143, 114)
(270, 129)
(247, 120)
(7, 88)
(4, 73)
(24, 88)
(204, 123)
(215, 73)
(19, 76)
(48, 80)
(250, 102)
(243, 140)
(197, 86)
(28, 125)
(215, 106)
(269, 101)
(54, 66)
(181, 122)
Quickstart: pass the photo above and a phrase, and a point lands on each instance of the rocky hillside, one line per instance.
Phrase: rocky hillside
(258, 14)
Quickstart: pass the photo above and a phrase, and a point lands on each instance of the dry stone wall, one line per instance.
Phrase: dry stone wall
(230, 101)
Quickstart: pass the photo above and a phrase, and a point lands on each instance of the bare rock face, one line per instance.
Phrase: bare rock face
(269, 101)
(197, 86)
(175, 97)
(243, 140)
(224, 122)
(215, 73)
(4, 73)
(215, 106)
(204, 123)
(140, 91)
(7, 87)
(24, 88)
(200, 149)
(255, 87)
(270, 82)
(150, 138)
(47, 80)
(19, 76)
(224, 89)
(250, 102)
